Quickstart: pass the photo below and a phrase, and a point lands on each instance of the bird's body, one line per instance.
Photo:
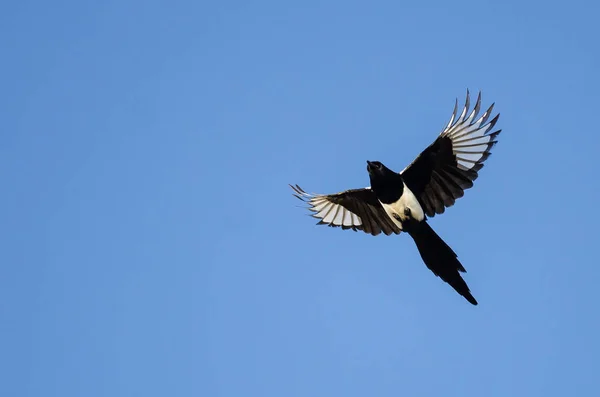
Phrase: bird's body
(400, 202)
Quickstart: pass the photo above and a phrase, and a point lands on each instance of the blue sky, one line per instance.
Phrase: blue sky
(151, 245)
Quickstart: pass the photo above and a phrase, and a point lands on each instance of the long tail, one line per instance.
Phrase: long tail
(439, 257)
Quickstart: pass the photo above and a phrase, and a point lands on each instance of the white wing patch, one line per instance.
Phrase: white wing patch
(471, 143)
(330, 213)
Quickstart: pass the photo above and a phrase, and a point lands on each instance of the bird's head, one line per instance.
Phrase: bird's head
(375, 168)
(382, 177)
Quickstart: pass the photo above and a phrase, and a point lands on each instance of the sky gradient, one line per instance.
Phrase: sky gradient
(150, 245)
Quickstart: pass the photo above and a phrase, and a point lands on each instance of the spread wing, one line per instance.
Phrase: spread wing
(450, 165)
(356, 209)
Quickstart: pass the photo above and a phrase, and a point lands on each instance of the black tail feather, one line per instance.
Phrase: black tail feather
(439, 257)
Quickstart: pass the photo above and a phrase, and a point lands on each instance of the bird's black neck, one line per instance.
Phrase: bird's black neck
(388, 188)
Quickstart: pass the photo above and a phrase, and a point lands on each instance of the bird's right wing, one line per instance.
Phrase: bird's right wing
(356, 209)
(449, 166)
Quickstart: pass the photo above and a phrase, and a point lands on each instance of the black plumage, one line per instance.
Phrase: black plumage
(397, 202)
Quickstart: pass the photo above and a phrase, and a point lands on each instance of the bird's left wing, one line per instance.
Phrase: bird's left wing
(356, 209)
(450, 165)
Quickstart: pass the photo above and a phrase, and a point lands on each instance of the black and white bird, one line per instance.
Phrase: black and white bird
(401, 202)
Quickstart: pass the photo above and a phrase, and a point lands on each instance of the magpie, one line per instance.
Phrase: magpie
(402, 202)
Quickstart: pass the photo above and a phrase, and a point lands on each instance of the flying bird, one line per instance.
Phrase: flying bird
(402, 202)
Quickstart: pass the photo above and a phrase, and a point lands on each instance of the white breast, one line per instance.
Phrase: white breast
(407, 200)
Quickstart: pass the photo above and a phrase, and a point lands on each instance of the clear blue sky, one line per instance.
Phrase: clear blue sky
(150, 245)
